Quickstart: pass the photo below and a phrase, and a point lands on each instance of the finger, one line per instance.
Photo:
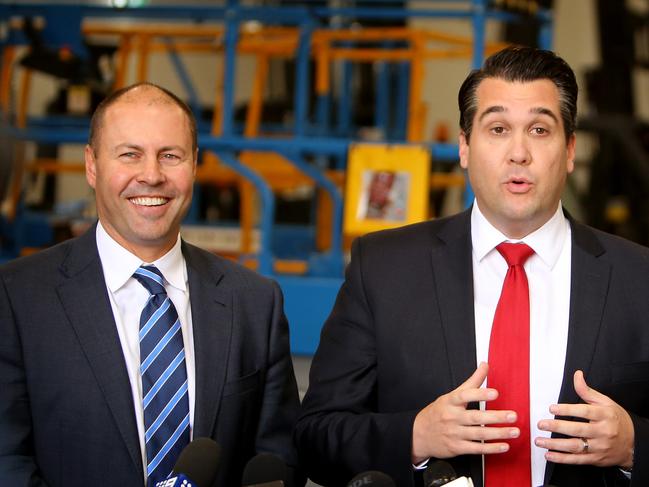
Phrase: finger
(568, 428)
(584, 411)
(576, 446)
(585, 392)
(481, 433)
(464, 396)
(488, 417)
(477, 378)
(480, 448)
(568, 458)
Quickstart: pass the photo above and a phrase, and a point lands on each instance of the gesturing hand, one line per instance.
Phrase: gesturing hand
(605, 440)
(446, 428)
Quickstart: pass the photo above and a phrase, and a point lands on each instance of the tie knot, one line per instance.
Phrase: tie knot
(151, 278)
(515, 253)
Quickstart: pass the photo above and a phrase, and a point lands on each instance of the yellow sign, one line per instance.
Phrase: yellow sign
(387, 187)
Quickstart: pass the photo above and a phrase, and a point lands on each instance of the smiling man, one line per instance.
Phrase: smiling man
(119, 347)
(509, 340)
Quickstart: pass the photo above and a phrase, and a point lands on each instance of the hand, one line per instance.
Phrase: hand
(446, 428)
(608, 433)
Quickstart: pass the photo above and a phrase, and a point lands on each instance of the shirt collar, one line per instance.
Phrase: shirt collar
(546, 241)
(119, 264)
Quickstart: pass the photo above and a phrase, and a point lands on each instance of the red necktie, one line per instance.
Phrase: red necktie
(509, 370)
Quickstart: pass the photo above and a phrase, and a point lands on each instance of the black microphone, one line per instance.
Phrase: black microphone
(196, 466)
(372, 478)
(441, 473)
(264, 470)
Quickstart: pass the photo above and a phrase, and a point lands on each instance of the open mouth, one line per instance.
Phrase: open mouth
(519, 181)
(518, 185)
(149, 200)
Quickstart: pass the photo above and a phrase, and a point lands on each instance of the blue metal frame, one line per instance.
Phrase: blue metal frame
(264, 254)
(308, 298)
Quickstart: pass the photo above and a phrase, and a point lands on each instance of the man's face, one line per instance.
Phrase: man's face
(142, 171)
(517, 158)
(380, 188)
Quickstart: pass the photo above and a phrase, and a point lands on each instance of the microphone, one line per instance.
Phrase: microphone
(442, 473)
(372, 478)
(196, 466)
(264, 470)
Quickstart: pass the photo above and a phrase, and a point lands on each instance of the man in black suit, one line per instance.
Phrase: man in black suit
(72, 411)
(398, 378)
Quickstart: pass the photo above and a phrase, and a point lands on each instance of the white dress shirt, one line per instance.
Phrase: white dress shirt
(128, 297)
(548, 275)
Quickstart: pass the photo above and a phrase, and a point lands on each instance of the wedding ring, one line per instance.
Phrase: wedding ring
(584, 448)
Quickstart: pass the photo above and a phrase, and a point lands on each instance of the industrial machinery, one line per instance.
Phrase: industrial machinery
(322, 78)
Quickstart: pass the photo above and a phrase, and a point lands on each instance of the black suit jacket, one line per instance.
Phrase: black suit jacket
(402, 333)
(66, 408)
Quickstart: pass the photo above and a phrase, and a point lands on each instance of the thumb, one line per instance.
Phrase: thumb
(587, 393)
(477, 378)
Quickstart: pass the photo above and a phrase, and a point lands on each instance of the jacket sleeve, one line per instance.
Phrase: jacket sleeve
(17, 462)
(640, 475)
(340, 432)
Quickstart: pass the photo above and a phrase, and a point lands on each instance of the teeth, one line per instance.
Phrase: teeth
(149, 200)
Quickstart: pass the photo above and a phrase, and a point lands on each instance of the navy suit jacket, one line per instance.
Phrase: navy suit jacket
(402, 333)
(66, 408)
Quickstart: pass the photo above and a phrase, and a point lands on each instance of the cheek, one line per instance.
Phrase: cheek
(117, 183)
(184, 181)
(110, 189)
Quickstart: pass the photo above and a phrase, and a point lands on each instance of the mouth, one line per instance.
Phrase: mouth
(518, 185)
(149, 200)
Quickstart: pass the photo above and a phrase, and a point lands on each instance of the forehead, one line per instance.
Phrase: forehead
(516, 96)
(150, 117)
(143, 105)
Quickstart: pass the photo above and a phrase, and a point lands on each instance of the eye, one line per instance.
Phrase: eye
(128, 155)
(539, 130)
(170, 158)
(497, 130)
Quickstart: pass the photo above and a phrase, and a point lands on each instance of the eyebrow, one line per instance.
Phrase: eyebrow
(502, 109)
(166, 148)
(126, 145)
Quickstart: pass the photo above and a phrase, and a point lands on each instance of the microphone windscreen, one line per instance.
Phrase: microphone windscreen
(372, 478)
(264, 468)
(199, 461)
(439, 473)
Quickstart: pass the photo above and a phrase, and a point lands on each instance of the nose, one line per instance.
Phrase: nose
(151, 172)
(519, 152)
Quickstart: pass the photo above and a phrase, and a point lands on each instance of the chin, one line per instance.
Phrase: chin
(151, 237)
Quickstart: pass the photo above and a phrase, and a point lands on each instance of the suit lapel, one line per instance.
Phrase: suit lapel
(452, 269)
(590, 277)
(212, 317)
(452, 264)
(84, 297)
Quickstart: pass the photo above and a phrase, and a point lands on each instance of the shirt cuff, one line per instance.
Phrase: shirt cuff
(421, 465)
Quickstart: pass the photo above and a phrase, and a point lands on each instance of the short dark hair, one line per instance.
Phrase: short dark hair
(97, 119)
(522, 64)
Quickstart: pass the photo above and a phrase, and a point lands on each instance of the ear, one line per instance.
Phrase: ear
(195, 162)
(570, 153)
(464, 150)
(91, 166)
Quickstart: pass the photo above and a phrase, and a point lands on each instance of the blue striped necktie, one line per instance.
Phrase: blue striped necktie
(164, 378)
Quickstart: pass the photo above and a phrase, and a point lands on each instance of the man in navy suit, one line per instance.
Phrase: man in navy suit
(71, 406)
(398, 378)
